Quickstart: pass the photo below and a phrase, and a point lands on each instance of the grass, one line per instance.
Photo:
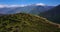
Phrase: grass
(22, 22)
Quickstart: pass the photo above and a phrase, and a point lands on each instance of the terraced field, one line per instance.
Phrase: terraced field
(26, 23)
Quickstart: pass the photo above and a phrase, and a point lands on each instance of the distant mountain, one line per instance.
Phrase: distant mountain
(53, 14)
(5, 10)
(31, 9)
(22, 22)
(38, 9)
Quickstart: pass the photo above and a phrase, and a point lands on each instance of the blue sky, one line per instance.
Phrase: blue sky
(19, 2)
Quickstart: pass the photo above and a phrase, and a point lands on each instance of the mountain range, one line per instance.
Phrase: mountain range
(31, 9)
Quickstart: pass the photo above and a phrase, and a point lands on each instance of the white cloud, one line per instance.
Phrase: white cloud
(16, 5)
(42, 4)
(2, 6)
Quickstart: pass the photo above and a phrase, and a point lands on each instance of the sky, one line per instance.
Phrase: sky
(27, 2)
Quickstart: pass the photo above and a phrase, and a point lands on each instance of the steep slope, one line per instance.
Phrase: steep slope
(26, 23)
(53, 14)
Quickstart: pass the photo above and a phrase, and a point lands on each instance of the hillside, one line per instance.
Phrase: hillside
(52, 15)
(22, 22)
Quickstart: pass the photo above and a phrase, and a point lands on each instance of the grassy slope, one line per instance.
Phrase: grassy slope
(26, 23)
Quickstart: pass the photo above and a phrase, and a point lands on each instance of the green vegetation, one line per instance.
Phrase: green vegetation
(26, 23)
